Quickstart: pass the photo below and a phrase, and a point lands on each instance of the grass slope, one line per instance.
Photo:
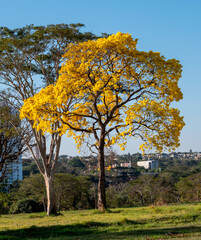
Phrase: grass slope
(165, 222)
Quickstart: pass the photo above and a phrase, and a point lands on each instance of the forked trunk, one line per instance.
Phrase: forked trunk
(51, 197)
(101, 182)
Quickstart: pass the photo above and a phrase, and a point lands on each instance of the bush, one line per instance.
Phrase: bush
(4, 203)
(118, 196)
(72, 192)
(26, 206)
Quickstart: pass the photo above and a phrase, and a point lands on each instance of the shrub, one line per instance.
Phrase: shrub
(4, 203)
(26, 206)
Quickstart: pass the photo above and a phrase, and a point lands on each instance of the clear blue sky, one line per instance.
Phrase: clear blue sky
(171, 27)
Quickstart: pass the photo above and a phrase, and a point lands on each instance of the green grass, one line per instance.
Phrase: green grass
(164, 222)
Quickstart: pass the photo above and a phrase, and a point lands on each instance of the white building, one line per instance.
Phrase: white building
(126, 164)
(14, 171)
(150, 164)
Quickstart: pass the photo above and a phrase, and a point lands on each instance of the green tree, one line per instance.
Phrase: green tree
(31, 188)
(189, 188)
(27, 55)
(76, 162)
(118, 196)
(72, 192)
(5, 201)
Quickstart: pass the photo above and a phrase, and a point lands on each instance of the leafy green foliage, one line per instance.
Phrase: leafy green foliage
(145, 190)
(118, 196)
(5, 201)
(76, 162)
(30, 188)
(189, 188)
(72, 191)
(26, 206)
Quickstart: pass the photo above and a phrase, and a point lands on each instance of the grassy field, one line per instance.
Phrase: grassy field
(165, 222)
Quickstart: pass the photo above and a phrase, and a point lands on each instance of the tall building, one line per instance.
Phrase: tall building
(14, 171)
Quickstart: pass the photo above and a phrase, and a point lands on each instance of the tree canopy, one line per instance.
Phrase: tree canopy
(125, 90)
(30, 58)
(109, 90)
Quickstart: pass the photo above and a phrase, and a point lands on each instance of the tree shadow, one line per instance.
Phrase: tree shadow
(180, 232)
(81, 231)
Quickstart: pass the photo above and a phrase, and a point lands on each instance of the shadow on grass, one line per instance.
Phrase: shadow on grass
(100, 230)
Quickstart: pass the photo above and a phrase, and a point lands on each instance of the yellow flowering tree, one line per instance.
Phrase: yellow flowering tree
(120, 92)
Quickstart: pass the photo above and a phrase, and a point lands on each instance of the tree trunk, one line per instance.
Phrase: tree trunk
(141, 200)
(59, 204)
(101, 183)
(44, 205)
(51, 197)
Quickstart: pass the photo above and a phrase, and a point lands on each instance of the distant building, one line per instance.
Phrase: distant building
(163, 155)
(150, 164)
(114, 165)
(14, 171)
(126, 164)
(173, 155)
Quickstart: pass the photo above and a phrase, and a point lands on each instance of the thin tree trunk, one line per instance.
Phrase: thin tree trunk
(141, 200)
(44, 205)
(101, 182)
(59, 204)
(51, 197)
